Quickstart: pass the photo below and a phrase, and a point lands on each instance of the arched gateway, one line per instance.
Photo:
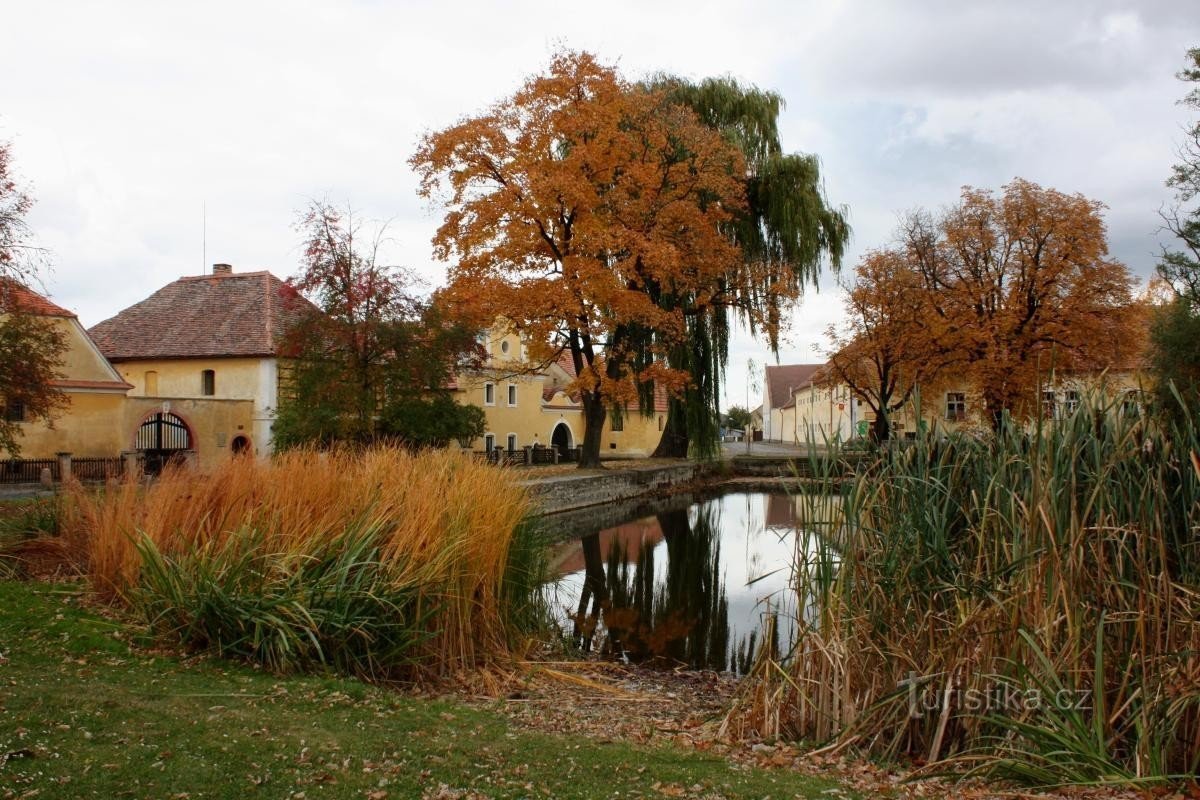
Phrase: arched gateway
(561, 439)
(161, 439)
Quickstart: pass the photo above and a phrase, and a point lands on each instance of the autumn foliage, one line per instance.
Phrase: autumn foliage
(999, 289)
(585, 210)
(886, 347)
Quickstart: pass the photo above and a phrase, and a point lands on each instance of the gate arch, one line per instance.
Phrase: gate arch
(162, 438)
(562, 438)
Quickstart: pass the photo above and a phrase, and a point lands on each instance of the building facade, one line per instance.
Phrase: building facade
(208, 345)
(533, 405)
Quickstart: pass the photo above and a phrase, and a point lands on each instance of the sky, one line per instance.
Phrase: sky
(159, 138)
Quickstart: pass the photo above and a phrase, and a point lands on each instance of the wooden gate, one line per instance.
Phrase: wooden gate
(162, 439)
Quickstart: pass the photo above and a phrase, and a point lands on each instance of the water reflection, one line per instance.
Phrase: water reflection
(688, 586)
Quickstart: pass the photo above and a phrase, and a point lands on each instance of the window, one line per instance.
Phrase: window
(208, 383)
(662, 421)
(489, 394)
(618, 421)
(1071, 401)
(512, 394)
(504, 347)
(14, 411)
(956, 406)
(512, 442)
(1049, 405)
(489, 442)
(151, 383)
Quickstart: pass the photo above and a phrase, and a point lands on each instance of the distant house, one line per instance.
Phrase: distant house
(208, 344)
(826, 409)
(91, 422)
(780, 381)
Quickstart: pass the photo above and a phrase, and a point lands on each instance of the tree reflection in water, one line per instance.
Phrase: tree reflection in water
(683, 619)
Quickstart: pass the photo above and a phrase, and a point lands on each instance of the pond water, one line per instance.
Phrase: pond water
(689, 581)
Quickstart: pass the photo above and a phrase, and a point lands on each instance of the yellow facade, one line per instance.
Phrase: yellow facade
(91, 425)
(822, 412)
(525, 408)
(250, 379)
(213, 425)
(105, 406)
(90, 422)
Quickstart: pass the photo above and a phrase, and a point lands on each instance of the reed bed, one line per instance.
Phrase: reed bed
(379, 563)
(1025, 605)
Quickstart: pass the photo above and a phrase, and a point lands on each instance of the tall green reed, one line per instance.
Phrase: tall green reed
(1056, 558)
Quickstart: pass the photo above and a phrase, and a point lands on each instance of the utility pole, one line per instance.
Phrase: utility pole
(751, 374)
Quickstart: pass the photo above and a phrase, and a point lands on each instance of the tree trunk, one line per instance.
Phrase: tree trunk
(594, 590)
(881, 428)
(674, 441)
(594, 414)
(995, 412)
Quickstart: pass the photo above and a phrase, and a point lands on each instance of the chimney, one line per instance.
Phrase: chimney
(222, 269)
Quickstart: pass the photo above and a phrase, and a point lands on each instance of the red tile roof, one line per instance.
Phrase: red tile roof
(19, 297)
(208, 316)
(785, 377)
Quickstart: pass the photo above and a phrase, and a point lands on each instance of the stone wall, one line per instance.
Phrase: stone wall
(565, 492)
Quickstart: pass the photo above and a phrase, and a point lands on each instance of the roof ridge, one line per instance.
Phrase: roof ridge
(222, 276)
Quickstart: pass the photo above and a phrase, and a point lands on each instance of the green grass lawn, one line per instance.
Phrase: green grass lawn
(84, 715)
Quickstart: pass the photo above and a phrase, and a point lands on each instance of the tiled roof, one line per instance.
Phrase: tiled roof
(17, 296)
(785, 377)
(237, 314)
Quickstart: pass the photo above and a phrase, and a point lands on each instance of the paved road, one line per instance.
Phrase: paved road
(730, 449)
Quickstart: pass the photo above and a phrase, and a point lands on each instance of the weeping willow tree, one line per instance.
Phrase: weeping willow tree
(787, 232)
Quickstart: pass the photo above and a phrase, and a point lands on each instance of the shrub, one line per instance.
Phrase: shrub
(378, 563)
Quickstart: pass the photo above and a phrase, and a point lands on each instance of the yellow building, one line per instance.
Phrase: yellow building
(778, 408)
(527, 406)
(206, 349)
(92, 422)
(825, 410)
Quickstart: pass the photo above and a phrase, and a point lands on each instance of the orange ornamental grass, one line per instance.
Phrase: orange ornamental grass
(434, 529)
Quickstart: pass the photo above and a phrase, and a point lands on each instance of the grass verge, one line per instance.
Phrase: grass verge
(84, 715)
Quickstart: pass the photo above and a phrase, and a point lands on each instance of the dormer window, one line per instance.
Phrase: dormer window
(208, 383)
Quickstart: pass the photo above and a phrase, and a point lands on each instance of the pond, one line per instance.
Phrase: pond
(688, 581)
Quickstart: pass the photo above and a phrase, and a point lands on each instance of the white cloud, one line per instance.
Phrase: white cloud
(129, 117)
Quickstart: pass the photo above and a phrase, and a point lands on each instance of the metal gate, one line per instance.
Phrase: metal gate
(162, 439)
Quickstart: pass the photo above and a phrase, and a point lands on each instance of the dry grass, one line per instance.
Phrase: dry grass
(436, 526)
(1062, 566)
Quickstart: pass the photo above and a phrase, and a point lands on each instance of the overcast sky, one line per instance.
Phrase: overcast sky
(128, 119)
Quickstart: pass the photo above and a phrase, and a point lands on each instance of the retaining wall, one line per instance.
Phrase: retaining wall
(566, 492)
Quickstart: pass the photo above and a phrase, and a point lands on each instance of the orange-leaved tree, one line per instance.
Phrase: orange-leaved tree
(577, 208)
(1020, 284)
(886, 348)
